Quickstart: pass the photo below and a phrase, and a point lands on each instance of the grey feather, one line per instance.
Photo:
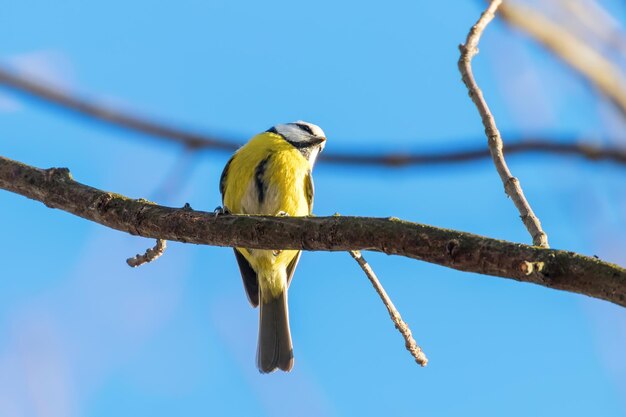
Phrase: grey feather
(223, 177)
(309, 189)
(249, 277)
(275, 350)
(291, 268)
(259, 178)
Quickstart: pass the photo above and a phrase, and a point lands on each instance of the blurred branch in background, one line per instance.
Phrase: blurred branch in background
(602, 29)
(463, 251)
(512, 186)
(112, 116)
(198, 141)
(175, 177)
(577, 41)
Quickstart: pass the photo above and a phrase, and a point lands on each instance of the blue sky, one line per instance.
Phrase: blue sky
(81, 334)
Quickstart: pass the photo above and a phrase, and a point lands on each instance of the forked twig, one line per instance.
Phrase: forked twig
(403, 328)
(512, 186)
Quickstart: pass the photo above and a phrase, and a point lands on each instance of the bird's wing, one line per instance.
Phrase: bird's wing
(309, 189)
(223, 177)
(250, 280)
(310, 193)
(291, 268)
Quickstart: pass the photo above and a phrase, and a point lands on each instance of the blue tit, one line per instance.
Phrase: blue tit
(271, 175)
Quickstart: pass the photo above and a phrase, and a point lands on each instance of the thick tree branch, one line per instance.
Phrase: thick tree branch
(512, 186)
(459, 250)
(199, 141)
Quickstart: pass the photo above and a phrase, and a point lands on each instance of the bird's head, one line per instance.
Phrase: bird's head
(308, 138)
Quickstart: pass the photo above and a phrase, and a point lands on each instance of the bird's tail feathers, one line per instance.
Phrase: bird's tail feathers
(275, 349)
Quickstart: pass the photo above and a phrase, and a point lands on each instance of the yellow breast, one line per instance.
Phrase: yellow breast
(267, 176)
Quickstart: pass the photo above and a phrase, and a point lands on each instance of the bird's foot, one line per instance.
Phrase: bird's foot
(219, 210)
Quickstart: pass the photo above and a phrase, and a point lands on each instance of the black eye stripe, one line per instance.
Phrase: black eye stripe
(304, 127)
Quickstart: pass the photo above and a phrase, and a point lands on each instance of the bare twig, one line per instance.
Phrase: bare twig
(555, 269)
(198, 141)
(511, 184)
(600, 71)
(150, 255)
(410, 343)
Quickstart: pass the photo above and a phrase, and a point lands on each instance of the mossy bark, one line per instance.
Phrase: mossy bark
(551, 268)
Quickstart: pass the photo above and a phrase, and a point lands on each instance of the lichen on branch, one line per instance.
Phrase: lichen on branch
(463, 251)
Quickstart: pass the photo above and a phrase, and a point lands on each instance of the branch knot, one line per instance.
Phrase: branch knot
(58, 174)
(452, 248)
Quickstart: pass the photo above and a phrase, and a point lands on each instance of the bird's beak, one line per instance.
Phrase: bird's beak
(318, 141)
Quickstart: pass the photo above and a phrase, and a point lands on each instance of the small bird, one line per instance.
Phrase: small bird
(271, 175)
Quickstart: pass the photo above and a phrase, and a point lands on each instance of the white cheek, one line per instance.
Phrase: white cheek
(313, 155)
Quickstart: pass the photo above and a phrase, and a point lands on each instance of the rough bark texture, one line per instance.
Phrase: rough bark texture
(551, 268)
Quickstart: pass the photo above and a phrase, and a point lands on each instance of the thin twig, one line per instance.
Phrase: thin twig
(556, 269)
(195, 141)
(511, 184)
(410, 343)
(151, 254)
